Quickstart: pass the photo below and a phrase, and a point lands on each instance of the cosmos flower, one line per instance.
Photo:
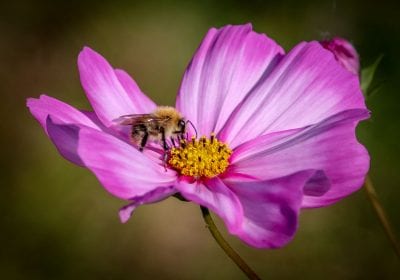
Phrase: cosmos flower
(344, 52)
(278, 133)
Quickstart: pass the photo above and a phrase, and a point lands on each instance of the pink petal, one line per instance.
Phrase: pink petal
(65, 137)
(329, 146)
(305, 87)
(151, 197)
(63, 133)
(228, 64)
(93, 117)
(141, 103)
(121, 169)
(216, 196)
(44, 106)
(270, 209)
(110, 93)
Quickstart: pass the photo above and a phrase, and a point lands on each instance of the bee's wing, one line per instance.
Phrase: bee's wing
(136, 119)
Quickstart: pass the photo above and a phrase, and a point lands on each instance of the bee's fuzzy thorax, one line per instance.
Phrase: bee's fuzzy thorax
(168, 112)
(163, 111)
(171, 117)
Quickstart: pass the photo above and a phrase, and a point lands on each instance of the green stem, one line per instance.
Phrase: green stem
(225, 245)
(380, 212)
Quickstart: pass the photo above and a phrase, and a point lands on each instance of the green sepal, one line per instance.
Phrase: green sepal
(367, 76)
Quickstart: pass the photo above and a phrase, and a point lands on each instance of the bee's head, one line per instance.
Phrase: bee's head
(182, 126)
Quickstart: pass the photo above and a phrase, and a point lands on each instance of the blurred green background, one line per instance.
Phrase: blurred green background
(56, 220)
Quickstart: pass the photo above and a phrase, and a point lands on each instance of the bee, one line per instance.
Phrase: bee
(165, 123)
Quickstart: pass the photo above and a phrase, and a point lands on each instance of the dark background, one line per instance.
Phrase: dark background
(56, 220)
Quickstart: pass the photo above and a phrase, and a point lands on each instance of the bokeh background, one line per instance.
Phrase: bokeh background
(57, 222)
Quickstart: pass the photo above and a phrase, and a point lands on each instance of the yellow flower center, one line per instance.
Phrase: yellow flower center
(200, 157)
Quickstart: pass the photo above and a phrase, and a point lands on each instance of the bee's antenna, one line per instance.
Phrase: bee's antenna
(195, 130)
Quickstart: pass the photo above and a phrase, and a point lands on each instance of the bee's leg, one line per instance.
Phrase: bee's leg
(164, 141)
(173, 141)
(165, 158)
(143, 142)
(165, 147)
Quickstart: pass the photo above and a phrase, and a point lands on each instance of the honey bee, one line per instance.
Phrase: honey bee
(164, 124)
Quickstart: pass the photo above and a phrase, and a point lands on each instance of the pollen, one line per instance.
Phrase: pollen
(204, 157)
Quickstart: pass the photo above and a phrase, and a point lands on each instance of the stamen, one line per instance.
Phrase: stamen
(204, 157)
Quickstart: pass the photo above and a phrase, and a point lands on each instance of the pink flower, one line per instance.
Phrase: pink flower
(344, 52)
(287, 120)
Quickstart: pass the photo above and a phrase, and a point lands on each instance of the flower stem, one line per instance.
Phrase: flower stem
(225, 245)
(380, 212)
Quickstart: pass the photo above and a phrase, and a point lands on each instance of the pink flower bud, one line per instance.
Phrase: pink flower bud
(344, 52)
